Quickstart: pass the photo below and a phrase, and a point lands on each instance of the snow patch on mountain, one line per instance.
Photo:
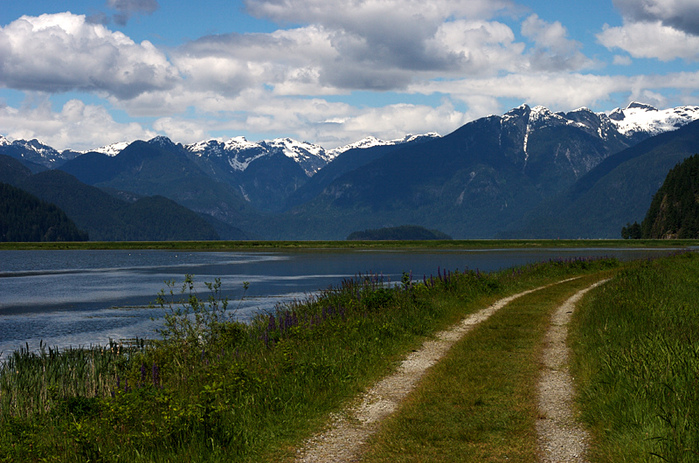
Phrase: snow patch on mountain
(110, 150)
(371, 141)
(310, 157)
(4, 141)
(35, 150)
(639, 117)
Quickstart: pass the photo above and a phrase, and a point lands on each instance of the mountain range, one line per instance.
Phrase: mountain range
(528, 172)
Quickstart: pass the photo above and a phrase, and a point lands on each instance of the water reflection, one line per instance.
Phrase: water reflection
(88, 297)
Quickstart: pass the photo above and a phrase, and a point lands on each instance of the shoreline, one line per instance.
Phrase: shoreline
(478, 244)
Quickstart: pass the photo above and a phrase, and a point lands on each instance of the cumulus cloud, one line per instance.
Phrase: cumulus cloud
(651, 40)
(372, 50)
(76, 126)
(661, 29)
(383, 44)
(64, 52)
(279, 82)
(553, 51)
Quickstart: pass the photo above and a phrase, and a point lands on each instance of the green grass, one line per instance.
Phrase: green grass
(479, 403)
(215, 390)
(636, 347)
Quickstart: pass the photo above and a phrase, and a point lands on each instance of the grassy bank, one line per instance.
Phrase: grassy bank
(215, 390)
(637, 361)
(311, 245)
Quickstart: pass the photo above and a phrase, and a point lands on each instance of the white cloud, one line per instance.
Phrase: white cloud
(660, 29)
(486, 47)
(182, 131)
(279, 82)
(558, 91)
(553, 51)
(77, 126)
(63, 52)
(651, 40)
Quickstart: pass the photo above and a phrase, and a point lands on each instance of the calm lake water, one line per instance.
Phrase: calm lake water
(81, 298)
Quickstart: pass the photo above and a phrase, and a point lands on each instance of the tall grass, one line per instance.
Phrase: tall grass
(217, 390)
(637, 358)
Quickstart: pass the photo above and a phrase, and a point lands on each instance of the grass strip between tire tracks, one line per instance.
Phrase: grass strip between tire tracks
(480, 402)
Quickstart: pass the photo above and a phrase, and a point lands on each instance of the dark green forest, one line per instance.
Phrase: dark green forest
(24, 217)
(674, 211)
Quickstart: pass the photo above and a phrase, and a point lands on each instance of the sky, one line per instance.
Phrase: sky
(80, 74)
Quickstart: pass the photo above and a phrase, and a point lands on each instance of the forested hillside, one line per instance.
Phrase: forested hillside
(674, 211)
(24, 217)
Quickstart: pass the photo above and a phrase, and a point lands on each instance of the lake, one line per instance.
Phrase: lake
(79, 298)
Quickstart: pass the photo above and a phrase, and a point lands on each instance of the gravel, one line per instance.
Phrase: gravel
(562, 438)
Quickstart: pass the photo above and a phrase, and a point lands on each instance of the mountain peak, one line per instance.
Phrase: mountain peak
(161, 141)
(110, 150)
(637, 105)
(519, 111)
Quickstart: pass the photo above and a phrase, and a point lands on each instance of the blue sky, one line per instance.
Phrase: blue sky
(80, 74)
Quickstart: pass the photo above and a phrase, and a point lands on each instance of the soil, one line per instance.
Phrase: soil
(562, 438)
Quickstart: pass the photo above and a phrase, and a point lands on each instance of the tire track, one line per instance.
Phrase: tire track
(562, 439)
(349, 430)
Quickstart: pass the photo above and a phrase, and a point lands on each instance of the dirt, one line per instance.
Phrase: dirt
(562, 438)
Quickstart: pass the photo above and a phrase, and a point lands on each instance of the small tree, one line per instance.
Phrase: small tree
(631, 231)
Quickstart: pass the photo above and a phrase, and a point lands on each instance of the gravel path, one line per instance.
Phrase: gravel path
(561, 437)
(349, 430)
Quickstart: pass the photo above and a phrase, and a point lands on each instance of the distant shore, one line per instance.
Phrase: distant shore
(319, 245)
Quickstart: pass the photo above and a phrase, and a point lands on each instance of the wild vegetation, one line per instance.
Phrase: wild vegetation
(636, 350)
(213, 389)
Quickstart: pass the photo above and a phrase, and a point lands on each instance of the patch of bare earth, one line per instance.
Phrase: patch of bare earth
(562, 438)
(348, 430)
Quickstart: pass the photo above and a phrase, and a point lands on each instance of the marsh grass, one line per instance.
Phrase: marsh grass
(636, 347)
(217, 390)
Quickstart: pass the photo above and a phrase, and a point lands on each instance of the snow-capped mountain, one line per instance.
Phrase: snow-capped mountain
(310, 157)
(470, 183)
(240, 152)
(643, 118)
(371, 142)
(635, 122)
(33, 151)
